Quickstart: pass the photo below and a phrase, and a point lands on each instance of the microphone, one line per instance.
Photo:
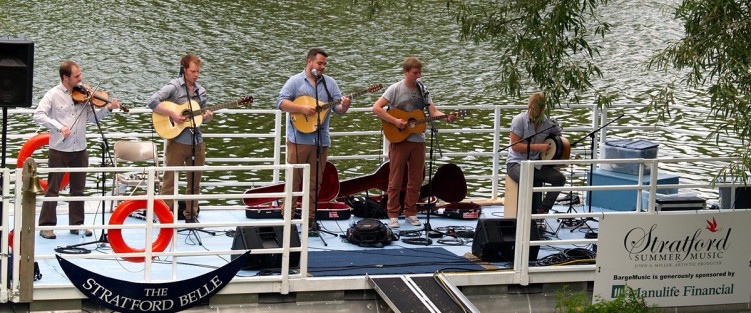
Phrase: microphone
(422, 87)
(314, 72)
(82, 88)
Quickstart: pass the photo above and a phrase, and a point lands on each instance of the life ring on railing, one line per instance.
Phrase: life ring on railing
(28, 148)
(115, 236)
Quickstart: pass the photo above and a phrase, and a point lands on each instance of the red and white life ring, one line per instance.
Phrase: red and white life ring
(28, 148)
(115, 236)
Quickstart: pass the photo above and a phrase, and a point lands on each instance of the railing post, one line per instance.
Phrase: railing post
(278, 118)
(523, 220)
(4, 251)
(494, 180)
(26, 232)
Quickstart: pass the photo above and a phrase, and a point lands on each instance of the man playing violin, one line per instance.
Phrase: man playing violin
(527, 124)
(66, 121)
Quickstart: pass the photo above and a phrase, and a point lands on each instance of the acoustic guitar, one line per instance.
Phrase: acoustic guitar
(168, 129)
(309, 124)
(415, 123)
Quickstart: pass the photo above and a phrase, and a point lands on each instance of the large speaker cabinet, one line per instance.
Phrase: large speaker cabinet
(495, 240)
(16, 72)
(265, 237)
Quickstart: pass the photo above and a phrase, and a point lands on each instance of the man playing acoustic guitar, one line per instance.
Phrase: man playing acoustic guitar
(407, 155)
(527, 124)
(302, 146)
(188, 148)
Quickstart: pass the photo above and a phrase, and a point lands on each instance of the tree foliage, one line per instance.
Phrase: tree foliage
(543, 45)
(714, 55)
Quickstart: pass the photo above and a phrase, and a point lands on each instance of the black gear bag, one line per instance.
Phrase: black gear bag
(370, 232)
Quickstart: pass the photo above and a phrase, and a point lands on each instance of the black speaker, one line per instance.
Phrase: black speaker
(495, 240)
(735, 197)
(265, 237)
(16, 72)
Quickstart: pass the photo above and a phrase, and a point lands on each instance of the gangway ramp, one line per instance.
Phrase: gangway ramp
(429, 294)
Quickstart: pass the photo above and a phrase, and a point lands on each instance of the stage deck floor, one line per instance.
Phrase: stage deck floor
(220, 238)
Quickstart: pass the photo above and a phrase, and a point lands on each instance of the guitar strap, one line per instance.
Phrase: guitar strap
(327, 89)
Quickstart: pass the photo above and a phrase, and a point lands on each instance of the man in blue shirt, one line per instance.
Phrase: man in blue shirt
(302, 147)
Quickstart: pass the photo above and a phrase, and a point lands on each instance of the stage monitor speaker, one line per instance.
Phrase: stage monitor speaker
(265, 237)
(495, 240)
(735, 198)
(16, 72)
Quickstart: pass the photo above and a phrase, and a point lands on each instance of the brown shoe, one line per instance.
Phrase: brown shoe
(88, 233)
(47, 234)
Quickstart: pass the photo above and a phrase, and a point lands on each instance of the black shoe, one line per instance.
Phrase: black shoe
(192, 221)
(313, 229)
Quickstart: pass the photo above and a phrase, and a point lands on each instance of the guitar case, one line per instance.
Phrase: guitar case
(260, 208)
(450, 185)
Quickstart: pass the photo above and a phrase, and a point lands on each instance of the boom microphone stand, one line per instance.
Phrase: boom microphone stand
(591, 135)
(528, 139)
(102, 240)
(568, 221)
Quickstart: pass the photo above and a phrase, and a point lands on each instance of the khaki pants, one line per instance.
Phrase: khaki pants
(306, 154)
(182, 155)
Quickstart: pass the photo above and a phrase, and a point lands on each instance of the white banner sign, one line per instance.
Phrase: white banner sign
(676, 259)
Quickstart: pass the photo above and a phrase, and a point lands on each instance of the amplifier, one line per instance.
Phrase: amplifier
(681, 203)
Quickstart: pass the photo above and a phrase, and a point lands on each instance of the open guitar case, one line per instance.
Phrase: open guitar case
(327, 210)
(449, 185)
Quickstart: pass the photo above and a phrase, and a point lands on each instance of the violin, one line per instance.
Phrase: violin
(83, 92)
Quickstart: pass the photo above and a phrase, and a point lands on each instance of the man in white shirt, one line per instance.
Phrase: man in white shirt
(66, 121)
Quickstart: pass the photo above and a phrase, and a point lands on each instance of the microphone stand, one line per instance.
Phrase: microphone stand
(591, 135)
(429, 231)
(102, 241)
(528, 139)
(319, 147)
(192, 231)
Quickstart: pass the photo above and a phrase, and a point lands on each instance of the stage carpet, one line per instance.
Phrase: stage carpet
(387, 261)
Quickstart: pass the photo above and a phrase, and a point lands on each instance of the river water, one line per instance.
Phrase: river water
(131, 48)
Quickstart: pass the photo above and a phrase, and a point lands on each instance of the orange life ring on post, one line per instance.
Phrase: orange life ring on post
(115, 236)
(28, 148)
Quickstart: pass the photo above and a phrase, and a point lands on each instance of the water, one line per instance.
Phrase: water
(132, 48)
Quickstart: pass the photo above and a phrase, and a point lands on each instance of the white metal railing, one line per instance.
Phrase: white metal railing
(521, 268)
(150, 196)
(495, 132)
